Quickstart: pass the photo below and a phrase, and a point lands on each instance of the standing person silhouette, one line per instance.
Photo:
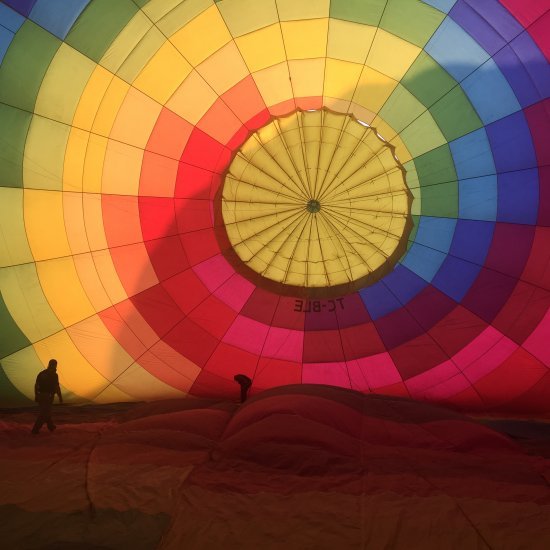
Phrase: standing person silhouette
(45, 388)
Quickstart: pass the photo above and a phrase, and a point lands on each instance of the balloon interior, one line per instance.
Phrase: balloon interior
(345, 202)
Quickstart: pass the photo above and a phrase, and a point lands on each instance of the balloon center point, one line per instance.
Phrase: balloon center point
(313, 206)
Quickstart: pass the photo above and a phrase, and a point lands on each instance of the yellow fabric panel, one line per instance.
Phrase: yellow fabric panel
(262, 48)
(91, 98)
(63, 84)
(163, 73)
(245, 16)
(335, 104)
(23, 378)
(373, 89)
(349, 41)
(224, 68)
(25, 300)
(93, 220)
(45, 154)
(202, 36)
(111, 394)
(75, 156)
(109, 106)
(92, 284)
(99, 348)
(63, 290)
(108, 275)
(122, 169)
(174, 19)
(136, 118)
(192, 99)
(307, 77)
(127, 39)
(274, 84)
(305, 39)
(93, 164)
(14, 248)
(73, 212)
(138, 58)
(341, 78)
(142, 386)
(392, 55)
(421, 136)
(75, 373)
(361, 113)
(157, 9)
(312, 9)
(45, 224)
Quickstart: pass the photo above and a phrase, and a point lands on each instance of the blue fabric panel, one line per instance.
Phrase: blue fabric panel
(517, 76)
(472, 155)
(450, 46)
(490, 93)
(472, 240)
(10, 19)
(378, 300)
(436, 233)
(404, 284)
(511, 143)
(456, 277)
(518, 197)
(5, 40)
(444, 6)
(24, 7)
(477, 198)
(534, 62)
(57, 16)
(423, 261)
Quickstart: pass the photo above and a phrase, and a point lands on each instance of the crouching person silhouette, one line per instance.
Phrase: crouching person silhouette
(45, 389)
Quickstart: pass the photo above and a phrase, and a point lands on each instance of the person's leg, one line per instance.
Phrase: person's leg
(48, 415)
(42, 414)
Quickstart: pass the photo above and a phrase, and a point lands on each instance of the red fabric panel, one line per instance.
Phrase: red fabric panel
(398, 327)
(398, 390)
(537, 270)
(430, 306)
(276, 372)
(286, 315)
(305, 103)
(169, 135)
(122, 333)
(158, 309)
(532, 401)
(195, 183)
(245, 100)
(515, 376)
(361, 341)
(488, 294)
(227, 361)
(457, 329)
(544, 196)
(322, 346)
(167, 257)
(200, 245)
(187, 290)
(510, 248)
(522, 312)
(121, 219)
(261, 306)
(192, 341)
(202, 151)
(418, 355)
(214, 316)
(157, 217)
(193, 214)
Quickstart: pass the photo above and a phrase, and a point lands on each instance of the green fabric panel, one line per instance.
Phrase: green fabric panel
(413, 21)
(438, 183)
(25, 65)
(427, 80)
(141, 3)
(10, 396)
(455, 115)
(359, 11)
(98, 25)
(414, 231)
(14, 125)
(11, 337)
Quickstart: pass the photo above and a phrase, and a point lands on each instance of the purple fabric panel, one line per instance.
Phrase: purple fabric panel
(501, 19)
(24, 7)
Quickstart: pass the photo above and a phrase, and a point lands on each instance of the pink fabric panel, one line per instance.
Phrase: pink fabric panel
(235, 292)
(490, 360)
(538, 343)
(214, 272)
(436, 375)
(477, 347)
(282, 343)
(375, 371)
(247, 334)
